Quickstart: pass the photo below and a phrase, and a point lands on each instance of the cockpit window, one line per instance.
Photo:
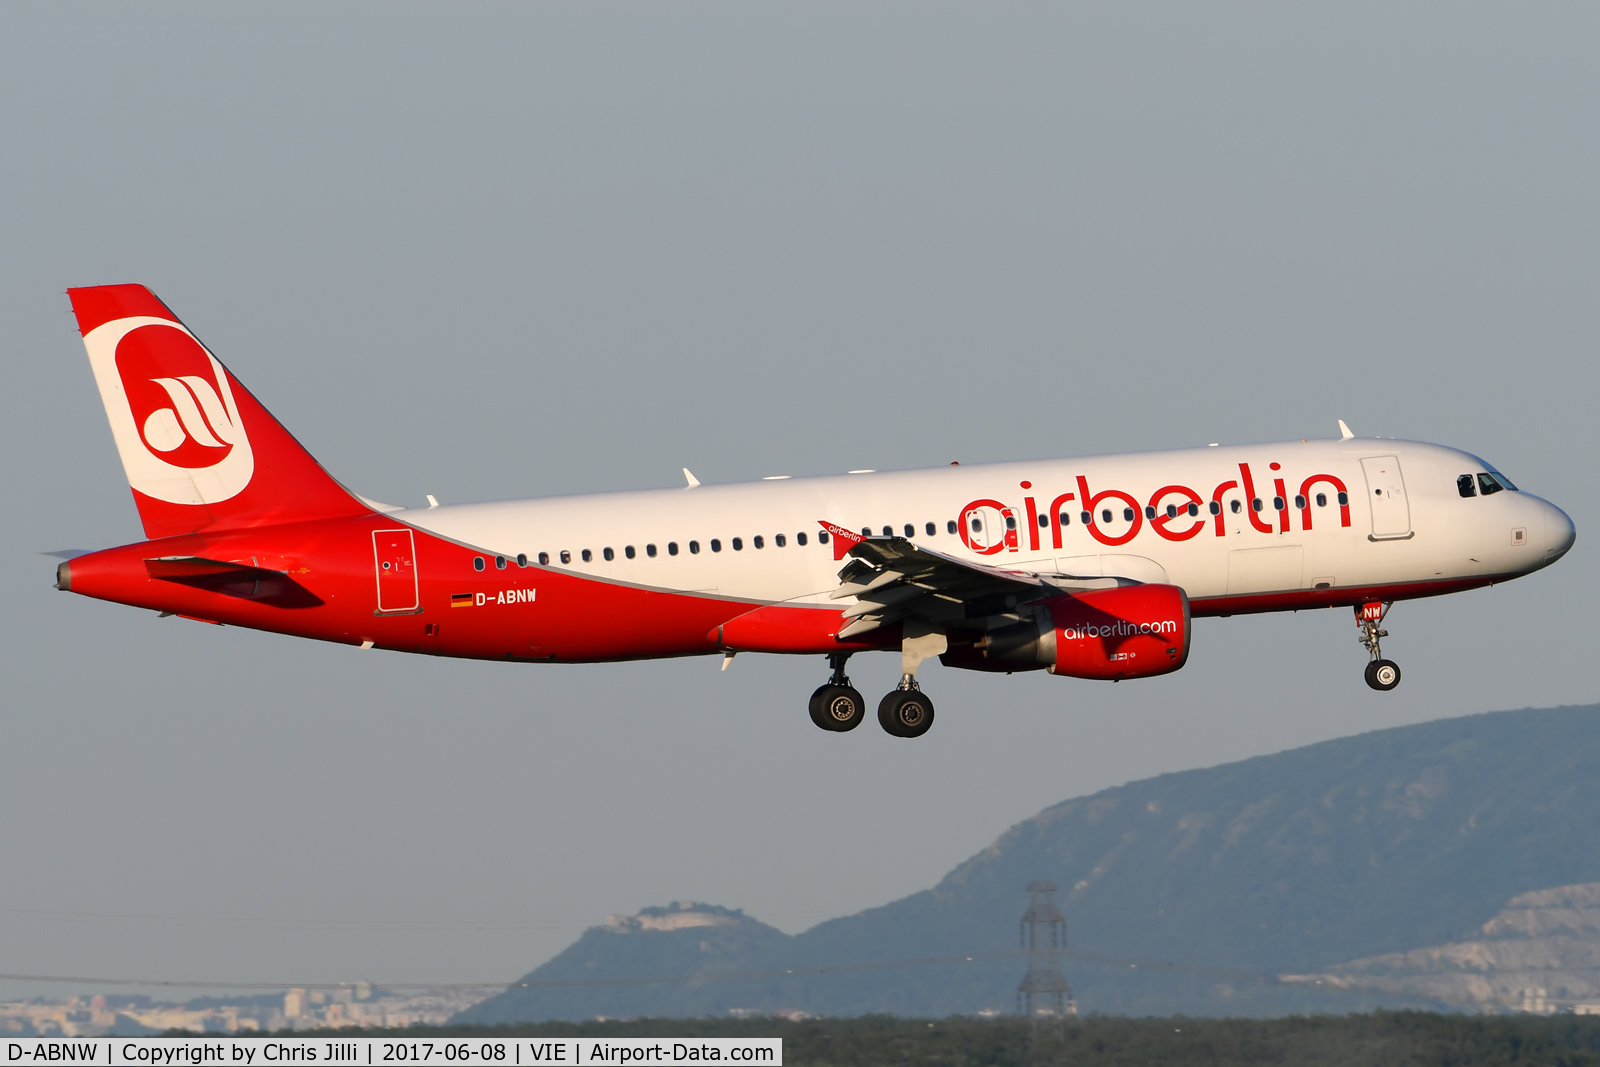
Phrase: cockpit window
(1488, 484)
(1502, 479)
(1466, 486)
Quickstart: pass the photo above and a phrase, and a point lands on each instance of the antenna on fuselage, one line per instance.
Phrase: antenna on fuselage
(692, 480)
(1344, 431)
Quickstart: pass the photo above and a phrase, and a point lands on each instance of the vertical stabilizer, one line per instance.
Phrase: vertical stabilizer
(200, 452)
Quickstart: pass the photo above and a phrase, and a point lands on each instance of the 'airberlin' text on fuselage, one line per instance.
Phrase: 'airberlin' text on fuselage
(1174, 512)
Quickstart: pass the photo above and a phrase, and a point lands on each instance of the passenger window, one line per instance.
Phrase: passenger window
(1066, 518)
(888, 531)
(780, 540)
(628, 551)
(1011, 522)
(499, 563)
(1085, 517)
(587, 555)
(477, 563)
(608, 554)
(1105, 515)
(950, 527)
(866, 531)
(716, 545)
(911, 531)
(1149, 512)
(757, 541)
(522, 559)
(1127, 514)
(1299, 501)
(544, 559)
(800, 539)
(1344, 498)
(977, 525)
(1255, 505)
(1277, 503)
(1488, 485)
(650, 550)
(1044, 521)
(1234, 506)
(1215, 508)
(694, 548)
(1322, 500)
(566, 556)
(738, 544)
(822, 538)
(932, 529)
(1466, 486)
(672, 548)
(1172, 511)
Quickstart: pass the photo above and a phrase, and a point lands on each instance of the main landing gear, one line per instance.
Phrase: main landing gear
(837, 706)
(907, 711)
(1382, 674)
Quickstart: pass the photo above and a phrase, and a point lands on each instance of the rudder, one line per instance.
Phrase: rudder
(199, 450)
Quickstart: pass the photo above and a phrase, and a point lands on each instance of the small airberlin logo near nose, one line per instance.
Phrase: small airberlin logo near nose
(172, 411)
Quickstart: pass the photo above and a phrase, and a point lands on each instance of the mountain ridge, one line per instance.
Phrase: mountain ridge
(1293, 862)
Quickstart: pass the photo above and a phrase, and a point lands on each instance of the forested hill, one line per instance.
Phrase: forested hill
(1293, 862)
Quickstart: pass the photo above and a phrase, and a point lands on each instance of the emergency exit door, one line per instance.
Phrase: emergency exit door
(394, 555)
(1386, 493)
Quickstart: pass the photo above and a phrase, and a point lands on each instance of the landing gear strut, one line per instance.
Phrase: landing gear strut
(1382, 674)
(838, 706)
(906, 711)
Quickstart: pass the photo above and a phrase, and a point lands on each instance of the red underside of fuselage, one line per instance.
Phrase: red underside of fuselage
(330, 594)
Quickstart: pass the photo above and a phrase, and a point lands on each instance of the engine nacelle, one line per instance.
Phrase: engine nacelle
(1135, 631)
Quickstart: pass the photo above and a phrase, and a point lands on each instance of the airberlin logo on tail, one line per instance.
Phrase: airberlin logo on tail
(172, 411)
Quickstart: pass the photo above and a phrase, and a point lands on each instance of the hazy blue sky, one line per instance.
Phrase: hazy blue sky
(486, 252)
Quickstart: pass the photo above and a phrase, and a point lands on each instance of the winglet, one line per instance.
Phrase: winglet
(690, 478)
(843, 540)
(1344, 431)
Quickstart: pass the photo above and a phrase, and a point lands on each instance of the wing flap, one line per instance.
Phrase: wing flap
(892, 578)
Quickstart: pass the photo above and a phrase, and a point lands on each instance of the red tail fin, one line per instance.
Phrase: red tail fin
(200, 452)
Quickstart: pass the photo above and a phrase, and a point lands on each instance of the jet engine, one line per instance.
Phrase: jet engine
(1135, 631)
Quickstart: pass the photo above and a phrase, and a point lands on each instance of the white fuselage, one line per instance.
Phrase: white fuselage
(1408, 523)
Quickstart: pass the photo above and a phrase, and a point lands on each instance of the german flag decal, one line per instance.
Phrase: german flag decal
(461, 600)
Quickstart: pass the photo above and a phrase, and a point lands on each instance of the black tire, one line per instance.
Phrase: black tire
(837, 708)
(1383, 674)
(905, 713)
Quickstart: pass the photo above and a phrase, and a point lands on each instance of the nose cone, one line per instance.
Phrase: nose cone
(1559, 532)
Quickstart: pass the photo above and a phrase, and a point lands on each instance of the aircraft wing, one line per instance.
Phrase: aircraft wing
(892, 578)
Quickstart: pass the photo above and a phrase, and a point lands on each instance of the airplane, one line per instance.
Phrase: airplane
(1089, 568)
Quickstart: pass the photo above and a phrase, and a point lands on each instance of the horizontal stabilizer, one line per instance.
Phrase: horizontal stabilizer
(233, 579)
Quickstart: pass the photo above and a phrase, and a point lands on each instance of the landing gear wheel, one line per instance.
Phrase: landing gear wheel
(1383, 674)
(837, 708)
(905, 713)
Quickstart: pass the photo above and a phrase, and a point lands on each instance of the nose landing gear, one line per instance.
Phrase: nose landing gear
(837, 706)
(1381, 674)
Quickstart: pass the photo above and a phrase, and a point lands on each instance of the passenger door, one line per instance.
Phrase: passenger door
(1386, 493)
